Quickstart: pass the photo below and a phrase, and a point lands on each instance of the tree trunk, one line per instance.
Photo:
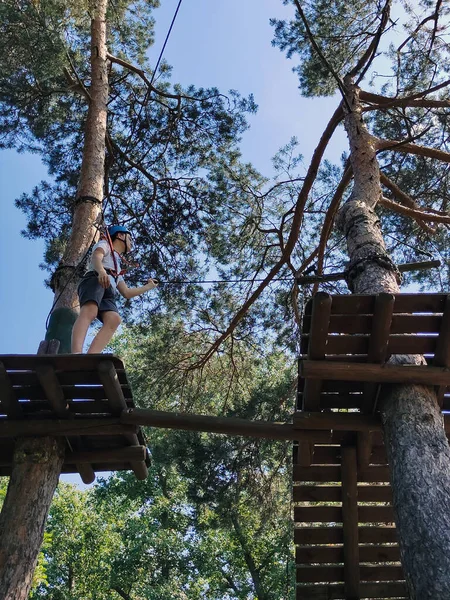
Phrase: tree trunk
(36, 467)
(38, 461)
(88, 203)
(416, 444)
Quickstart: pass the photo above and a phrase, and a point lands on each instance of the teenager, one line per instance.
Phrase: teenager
(98, 289)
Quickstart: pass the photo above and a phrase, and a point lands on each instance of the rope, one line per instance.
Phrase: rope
(165, 41)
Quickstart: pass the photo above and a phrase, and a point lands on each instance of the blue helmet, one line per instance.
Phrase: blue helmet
(117, 229)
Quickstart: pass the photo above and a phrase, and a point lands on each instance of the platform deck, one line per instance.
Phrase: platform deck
(79, 397)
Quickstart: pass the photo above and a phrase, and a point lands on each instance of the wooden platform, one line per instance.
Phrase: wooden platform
(347, 340)
(345, 537)
(80, 397)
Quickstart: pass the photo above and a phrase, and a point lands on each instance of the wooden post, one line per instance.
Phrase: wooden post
(320, 318)
(378, 344)
(350, 522)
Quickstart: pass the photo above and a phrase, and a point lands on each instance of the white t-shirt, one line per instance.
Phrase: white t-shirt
(107, 262)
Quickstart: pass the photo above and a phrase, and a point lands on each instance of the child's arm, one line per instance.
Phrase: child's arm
(97, 262)
(133, 292)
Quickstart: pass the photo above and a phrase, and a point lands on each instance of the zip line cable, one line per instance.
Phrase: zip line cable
(165, 42)
(147, 93)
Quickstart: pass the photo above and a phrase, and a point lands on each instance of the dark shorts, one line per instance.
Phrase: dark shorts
(90, 290)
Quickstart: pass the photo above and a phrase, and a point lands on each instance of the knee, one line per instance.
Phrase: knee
(112, 320)
(89, 311)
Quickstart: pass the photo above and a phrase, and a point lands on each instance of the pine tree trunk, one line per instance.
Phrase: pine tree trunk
(36, 468)
(416, 444)
(88, 203)
(38, 461)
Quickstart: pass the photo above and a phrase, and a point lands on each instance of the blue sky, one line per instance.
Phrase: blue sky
(213, 43)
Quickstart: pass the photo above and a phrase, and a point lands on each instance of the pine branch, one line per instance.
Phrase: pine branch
(320, 54)
(405, 199)
(410, 148)
(329, 220)
(383, 102)
(367, 58)
(416, 214)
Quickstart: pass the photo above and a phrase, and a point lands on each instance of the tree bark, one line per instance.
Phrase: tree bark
(88, 203)
(36, 468)
(416, 444)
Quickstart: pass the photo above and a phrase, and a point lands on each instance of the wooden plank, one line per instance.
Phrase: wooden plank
(316, 493)
(127, 454)
(61, 362)
(329, 474)
(53, 391)
(331, 455)
(320, 574)
(377, 535)
(362, 324)
(113, 389)
(334, 535)
(404, 303)
(70, 392)
(387, 373)
(335, 574)
(335, 554)
(376, 514)
(334, 420)
(318, 514)
(350, 522)
(332, 493)
(70, 378)
(374, 493)
(76, 407)
(373, 591)
(103, 427)
(321, 309)
(9, 404)
(398, 344)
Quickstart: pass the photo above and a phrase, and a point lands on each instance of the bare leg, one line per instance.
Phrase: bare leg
(87, 314)
(111, 321)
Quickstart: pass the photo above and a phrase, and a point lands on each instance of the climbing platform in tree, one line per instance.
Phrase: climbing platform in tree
(345, 536)
(347, 340)
(79, 397)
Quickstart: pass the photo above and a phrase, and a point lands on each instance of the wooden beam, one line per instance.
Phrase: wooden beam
(364, 448)
(378, 344)
(106, 426)
(225, 425)
(113, 390)
(127, 454)
(350, 522)
(110, 381)
(416, 266)
(333, 421)
(53, 390)
(9, 403)
(386, 373)
(320, 318)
